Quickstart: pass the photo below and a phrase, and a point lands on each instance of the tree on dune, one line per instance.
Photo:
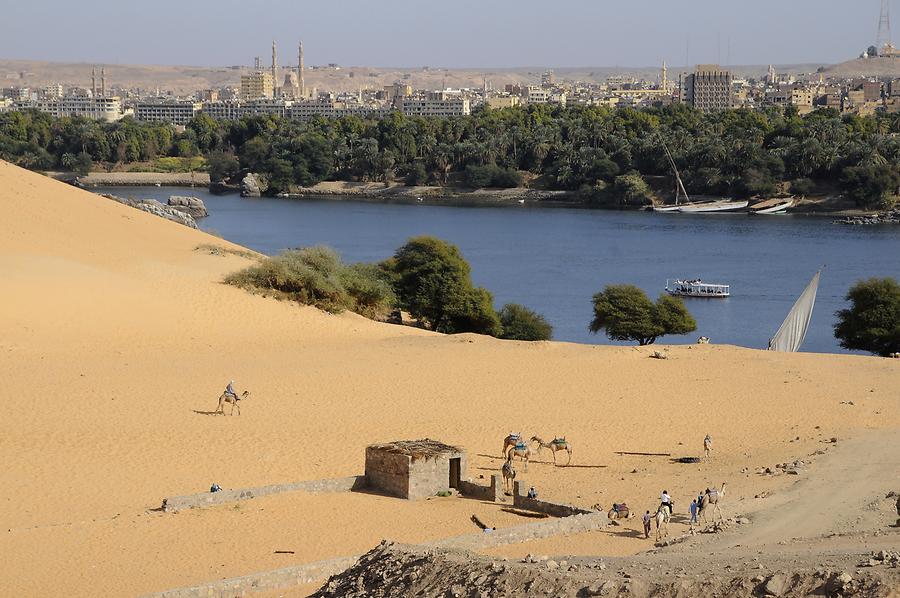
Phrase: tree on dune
(872, 322)
(522, 324)
(433, 281)
(627, 314)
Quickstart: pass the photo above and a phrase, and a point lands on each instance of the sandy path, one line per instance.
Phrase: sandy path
(832, 497)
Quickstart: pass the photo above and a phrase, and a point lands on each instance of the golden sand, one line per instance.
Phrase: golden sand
(117, 336)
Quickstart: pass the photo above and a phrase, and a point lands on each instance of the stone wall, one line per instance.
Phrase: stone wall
(260, 582)
(206, 499)
(521, 501)
(492, 493)
(387, 472)
(547, 528)
(320, 570)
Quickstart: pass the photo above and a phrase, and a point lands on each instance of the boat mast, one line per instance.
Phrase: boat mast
(679, 186)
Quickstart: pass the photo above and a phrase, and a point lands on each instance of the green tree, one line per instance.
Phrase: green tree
(627, 314)
(222, 166)
(434, 282)
(872, 322)
(522, 324)
(632, 190)
(872, 186)
(83, 164)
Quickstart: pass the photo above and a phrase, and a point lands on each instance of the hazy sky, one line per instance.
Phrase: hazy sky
(451, 33)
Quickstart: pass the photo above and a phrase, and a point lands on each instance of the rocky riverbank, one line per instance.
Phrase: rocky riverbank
(134, 179)
(433, 194)
(182, 210)
(890, 217)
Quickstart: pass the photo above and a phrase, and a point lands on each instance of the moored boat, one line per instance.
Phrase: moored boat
(715, 207)
(697, 288)
(772, 206)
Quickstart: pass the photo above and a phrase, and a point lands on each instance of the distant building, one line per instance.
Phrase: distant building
(177, 112)
(52, 92)
(536, 95)
(548, 79)
(256, 85)
(498, 102)
(709, 88)
(106, 108)
(435, 107)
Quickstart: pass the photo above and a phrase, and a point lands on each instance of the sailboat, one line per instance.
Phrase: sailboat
(679, 187)
(793, 330)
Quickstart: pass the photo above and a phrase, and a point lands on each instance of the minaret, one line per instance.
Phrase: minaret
(665, 77)
(103, 82)
(300, 71)
(93, 81)
(274, 70)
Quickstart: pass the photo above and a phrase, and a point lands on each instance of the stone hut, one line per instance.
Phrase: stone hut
(414, 469)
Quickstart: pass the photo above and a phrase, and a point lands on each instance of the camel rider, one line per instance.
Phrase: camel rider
(230, 389)
(666, 501)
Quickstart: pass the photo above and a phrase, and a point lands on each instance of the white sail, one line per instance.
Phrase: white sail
(793, 330)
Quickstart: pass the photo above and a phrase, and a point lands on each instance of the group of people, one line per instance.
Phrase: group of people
(666, 503)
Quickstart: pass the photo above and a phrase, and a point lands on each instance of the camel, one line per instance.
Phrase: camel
(619, 511)
(519, 450)
(558, 444)
(509, 474)
(707, 445)
(512, 439)
(663, 515)
(711, 498)
(234, 400)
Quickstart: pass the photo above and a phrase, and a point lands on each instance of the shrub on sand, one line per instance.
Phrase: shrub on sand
(316, 276)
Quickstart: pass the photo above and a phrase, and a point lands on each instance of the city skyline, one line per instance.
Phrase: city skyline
(504, 34)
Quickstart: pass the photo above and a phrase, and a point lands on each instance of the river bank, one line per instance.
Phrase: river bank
(133, 179)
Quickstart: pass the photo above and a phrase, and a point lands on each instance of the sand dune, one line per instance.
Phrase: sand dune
(116, 334)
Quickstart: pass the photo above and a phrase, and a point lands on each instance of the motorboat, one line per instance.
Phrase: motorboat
(697, 288)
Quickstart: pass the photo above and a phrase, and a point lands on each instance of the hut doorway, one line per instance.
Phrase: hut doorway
(454, 473)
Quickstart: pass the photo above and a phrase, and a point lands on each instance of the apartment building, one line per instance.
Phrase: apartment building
(709, 88)
(177, 112)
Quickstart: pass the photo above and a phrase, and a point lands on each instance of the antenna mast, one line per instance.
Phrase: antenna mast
(884, 25)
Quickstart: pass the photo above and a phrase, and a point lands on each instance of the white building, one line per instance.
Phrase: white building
(435, 107)
(106, 108)
(177, 112)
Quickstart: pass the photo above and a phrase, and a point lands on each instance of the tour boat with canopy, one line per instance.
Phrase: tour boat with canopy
(697, 288)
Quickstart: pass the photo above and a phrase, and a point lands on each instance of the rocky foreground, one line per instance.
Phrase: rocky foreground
(402, 570)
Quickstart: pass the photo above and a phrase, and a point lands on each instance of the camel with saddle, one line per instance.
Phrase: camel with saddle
(711, 499)
(663, 516)
(235, 401)
(512, 439)
(557, 444)
(509, 475)
(520, 450)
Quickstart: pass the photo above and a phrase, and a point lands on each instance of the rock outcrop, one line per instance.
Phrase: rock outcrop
(889, 217)
(191, 205)
(157, 209)
(251, 186)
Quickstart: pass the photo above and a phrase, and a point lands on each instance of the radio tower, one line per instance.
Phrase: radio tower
(884, 25)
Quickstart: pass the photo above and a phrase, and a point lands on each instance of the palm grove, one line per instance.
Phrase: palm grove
(607, 157)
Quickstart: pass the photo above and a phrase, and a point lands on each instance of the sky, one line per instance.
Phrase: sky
(449, 33)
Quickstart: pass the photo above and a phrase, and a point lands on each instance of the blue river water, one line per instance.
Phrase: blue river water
(554, 260)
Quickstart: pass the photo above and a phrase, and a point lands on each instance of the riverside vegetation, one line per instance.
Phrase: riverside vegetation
(606, 157)
(426, 276)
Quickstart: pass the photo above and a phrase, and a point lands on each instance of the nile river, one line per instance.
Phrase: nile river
(554, 260)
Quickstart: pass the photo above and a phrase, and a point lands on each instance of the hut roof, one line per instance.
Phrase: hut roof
(417, 448)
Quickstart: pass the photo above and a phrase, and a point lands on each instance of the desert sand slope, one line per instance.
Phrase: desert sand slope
(116, 337)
